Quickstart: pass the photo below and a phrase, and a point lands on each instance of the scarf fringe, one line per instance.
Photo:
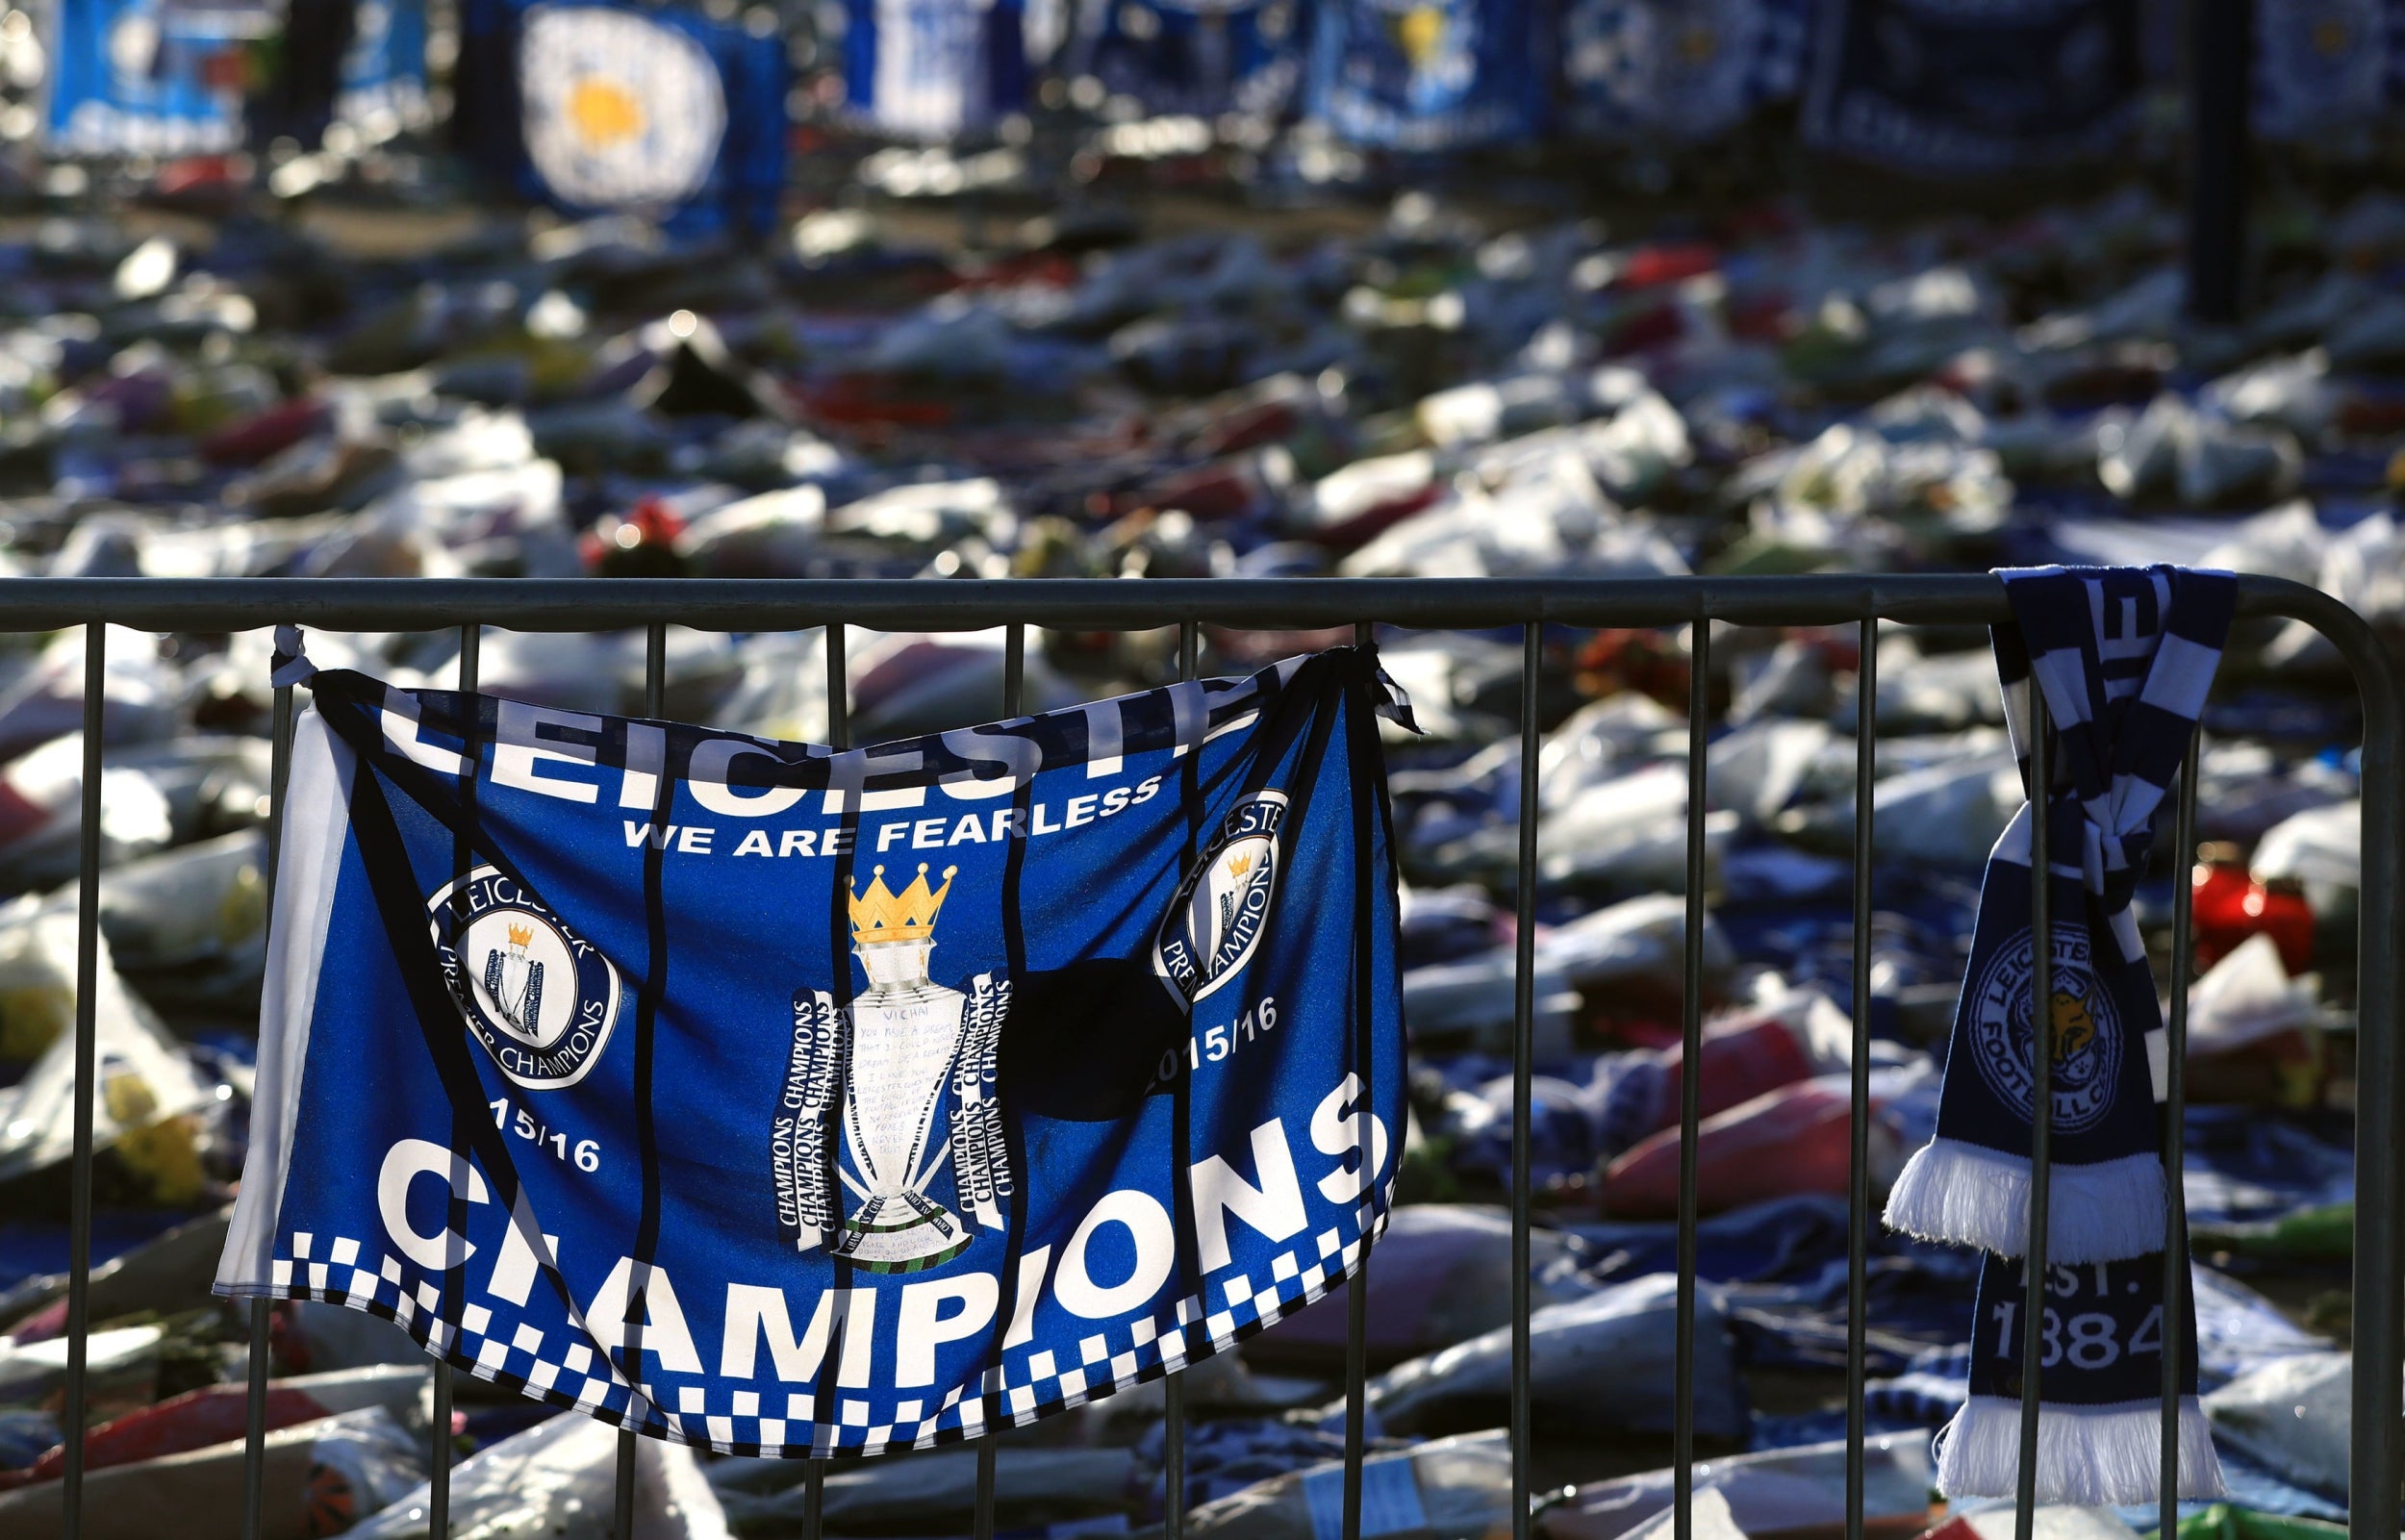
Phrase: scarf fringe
(1967, 1195)
(2109, 1456)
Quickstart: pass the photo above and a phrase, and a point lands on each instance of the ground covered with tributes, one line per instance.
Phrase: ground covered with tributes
(950, 367)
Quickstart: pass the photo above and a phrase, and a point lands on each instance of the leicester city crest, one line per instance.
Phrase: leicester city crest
(1222, 906)
(884, 1093)
(620, 110)
(2083, 1032)
(540, 998)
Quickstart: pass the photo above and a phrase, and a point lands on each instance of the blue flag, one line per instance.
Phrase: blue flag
(1678, 70)
(1175, 56)
(383, 86)
(597, 105)
(794, 1102)
(935, 68)
(152, 77)
(2007, 85)
(2324, 67)
(1429, 75)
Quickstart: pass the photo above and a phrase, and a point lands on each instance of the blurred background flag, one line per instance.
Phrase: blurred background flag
(2004, 86)
(358, 62)
(1677, 69)
(620, 109)
(1195, 56)
(655, 109)
(152, 77)
(384, 70)
(2321, 65)
(934, 68)
(1431, 74)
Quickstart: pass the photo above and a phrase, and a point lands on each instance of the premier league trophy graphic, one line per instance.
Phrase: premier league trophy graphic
(870, 1084)
(513, 984)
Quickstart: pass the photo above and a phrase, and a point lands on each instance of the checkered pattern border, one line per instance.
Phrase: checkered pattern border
(338, 1270)
(1029, 1384)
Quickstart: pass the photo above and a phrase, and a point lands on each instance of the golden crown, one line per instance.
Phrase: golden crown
(522, 935)
(882, 915)
(1239, 865)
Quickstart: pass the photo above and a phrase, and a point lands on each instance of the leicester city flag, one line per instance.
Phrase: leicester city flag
(1680, 71)
(1430, 75)
(151, 77)
(383, 76)
(795, 1101)
(596, 105)
(1198, 57)
(931, 69)
(1951, 90)
(2323, 68)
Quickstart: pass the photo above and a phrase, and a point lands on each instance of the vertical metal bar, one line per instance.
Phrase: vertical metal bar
(1174, 1388)
(255, 1409)
(2219, 95)
(1691, 1079)
(87, 987)
(1524, 1072)
(654, 706)
(2041, 1103)
(1014, 685)
(2175, 1138)
(839, 737)
(982, 1519)
(2377, 1441)
(1858, 1207)
(838, 690)
(1014, 668)
(439, 1473)
(1357, 1339)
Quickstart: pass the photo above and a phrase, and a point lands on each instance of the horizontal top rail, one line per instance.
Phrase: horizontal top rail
(1102, 604)
(2377, 1445)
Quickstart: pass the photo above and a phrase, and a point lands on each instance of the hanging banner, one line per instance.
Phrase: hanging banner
(935, 68)
(1416, 75)
(594, 106)
(1196, 59)
(1682, 72)
(1953, 89)
(794, 1102)
(152, 77)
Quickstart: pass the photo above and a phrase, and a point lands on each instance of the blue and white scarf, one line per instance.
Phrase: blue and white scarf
(795, 1101)
(2125, 658)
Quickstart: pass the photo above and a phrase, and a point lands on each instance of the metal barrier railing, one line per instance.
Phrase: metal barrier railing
(2377, 1437)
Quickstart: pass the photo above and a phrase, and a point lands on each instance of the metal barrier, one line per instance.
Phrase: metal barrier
(2378, 1436)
